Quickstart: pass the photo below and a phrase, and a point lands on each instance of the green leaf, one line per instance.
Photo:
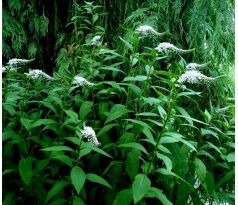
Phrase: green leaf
(27, 123)
(78, 178)
(40, 165)
(97, 179)
(166, 160)
(210, 185)
(75, 140)
(116, 113)
(157, 193)
(200, 169)
(85, 109)
(96, 149)
(135, 89)
(149, 135)
(141, 123)
(95, 18)
(8, 199)
(231, 157)
(136, 78)
(148, 114)
(177, 137)
(124, 197)
(134, 145)
(57, 188)
(185, 113)
(140, 187)
(162, 112)
(132, 163)
(58, 202)
(64, 158)
(8, 171)
(40, 122)
(106, 128)
(111, 68)
(47, 105)
(57, 148)
(208, 116)
(78, 201)
(73, 115)
(228, 176)
(209, 132)
(25, 170)
(126, 43)
(170, 173)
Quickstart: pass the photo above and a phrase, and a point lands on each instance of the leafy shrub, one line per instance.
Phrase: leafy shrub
(114, 128)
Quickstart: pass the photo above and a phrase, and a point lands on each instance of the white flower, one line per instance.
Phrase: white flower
(34, 74)
(80, 81)
(9, 68)
(96, 41)
(168, 47)
(90, 135)
(194, 66)
(16, 61)
(146, 30)
(164, 47)
(193, 77)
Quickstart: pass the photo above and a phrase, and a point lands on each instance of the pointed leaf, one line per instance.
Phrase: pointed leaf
(78, 178)
(157, 193)
(135, 146)
(140, 187)
(200, 169)
(58, 148)
(58, 186)
(97, 179)
(124, 197)
(25, 170)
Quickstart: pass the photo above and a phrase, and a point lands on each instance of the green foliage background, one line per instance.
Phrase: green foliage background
(160, 143)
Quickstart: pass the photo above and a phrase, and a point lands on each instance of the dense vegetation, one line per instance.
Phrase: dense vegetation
(120, 102)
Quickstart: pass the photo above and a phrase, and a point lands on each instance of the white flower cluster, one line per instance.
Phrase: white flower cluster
(166, 47)
(80, 81)
(90, 135)
(193, 77)
(9, 68)
(35, 74)
(192, 66)
(195, 66)
(146, 30)
(16, 61)
(96, 41)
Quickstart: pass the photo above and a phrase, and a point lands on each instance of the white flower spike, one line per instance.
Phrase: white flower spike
(35, 74)
(168, 47)
(8, 68)
(90, 135)
(96, 41)
(148, 30)
(80, 81)
(193, 77)
(16, 61)
(195, 66)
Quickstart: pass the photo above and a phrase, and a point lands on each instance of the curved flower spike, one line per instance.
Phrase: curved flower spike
(80, 81)
(16, 61)
(9, 68)
(193, 77)
(97, 40)
(35, 74)
(168, 47)
(149, 30)
(90, 135)
(194, 66)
